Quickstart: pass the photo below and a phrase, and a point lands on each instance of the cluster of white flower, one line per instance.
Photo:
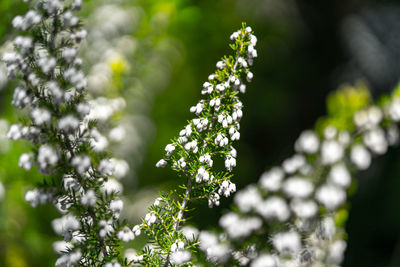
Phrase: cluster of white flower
(46, 157)
(69, 54)
(89, 198)
(81, 163)
(53, 89)
(13, 63)
(37, 196)
(214, 248)
(68, 124)
(131, 256)
(41, 116)
(226, 188)
(150, 218)
(206, 138)
(179, 254)
(308, 185)
(112, 186)
(126, 234)
(26, 161)
(47, 64)
(221, 140)
(287, 242)
(24, 43)
(180, 257)
(213, 200)
(106, 228)
(116, 206)
(76, 78)
(17, 131)
(69, 259)
(71, 183)
(237, 227)
(23, 23)
(102, 109)
(21, 97)
(321, 246)
(66, 226)
(106, 167)
(251, 51)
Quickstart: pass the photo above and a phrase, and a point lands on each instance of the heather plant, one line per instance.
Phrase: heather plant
(52, 91)
(294, 216)
(205, 139)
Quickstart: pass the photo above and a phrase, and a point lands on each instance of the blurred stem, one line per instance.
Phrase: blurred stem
(184, 203)
(182, 207)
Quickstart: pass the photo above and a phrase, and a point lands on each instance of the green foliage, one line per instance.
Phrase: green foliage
(341, 106)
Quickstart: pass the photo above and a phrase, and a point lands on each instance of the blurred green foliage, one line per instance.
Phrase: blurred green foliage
(341, 106)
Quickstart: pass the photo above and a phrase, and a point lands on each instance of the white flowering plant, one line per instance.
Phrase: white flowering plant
(52, 91)
(205, 139)
(294, 216)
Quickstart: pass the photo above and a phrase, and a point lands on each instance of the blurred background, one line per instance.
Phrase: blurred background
(153, 57)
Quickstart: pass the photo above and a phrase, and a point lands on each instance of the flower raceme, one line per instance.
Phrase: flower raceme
(206, 139)
(209, 136)
(52, 91)
(294, 215)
